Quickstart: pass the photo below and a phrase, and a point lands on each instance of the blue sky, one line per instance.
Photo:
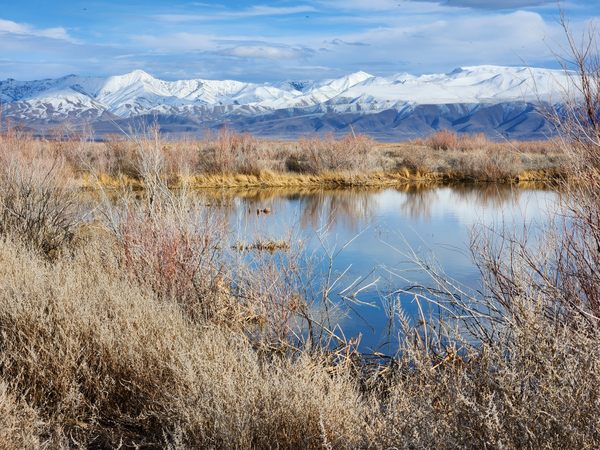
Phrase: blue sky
(270, 41)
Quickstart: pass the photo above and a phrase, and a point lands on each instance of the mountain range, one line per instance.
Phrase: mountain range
(498, 101)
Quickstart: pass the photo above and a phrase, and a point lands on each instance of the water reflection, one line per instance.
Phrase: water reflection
(487, 195)
(380, 225)
(316, 206)
(417, 202)
(369, 233)
(355, 207)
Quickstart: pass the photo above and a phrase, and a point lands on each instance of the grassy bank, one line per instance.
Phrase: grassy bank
(140, 330)
(236, 160)
(95, 357)
(325, 180)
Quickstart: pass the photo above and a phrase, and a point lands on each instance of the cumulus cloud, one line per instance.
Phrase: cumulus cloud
(266, 43)
(236, 46)
(276, 10)
(362, 5)
(175, 42)
(442, 43)
(35, 52)
(394, 6)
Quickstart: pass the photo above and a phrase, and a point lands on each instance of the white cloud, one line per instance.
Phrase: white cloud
(262, 51)
(342, 36)
(418, 43)
(443, 42)
(10, 27)
(255, 11)
(276, 10)
(498, 4)
(399, 7)
(176, 42)
(237, 46)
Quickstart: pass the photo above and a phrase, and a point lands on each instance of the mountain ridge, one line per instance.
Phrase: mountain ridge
(211, 103)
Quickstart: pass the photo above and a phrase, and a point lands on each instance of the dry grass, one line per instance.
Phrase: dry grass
(143, 331)
(235, 160)
(34, 204)
(20, 426)
(133, 368)
(475, 157)
(120, 365)
(140, 330)
(317, 155)
(261, 245)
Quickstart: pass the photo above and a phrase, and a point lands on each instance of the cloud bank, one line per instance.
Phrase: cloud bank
(296, 40)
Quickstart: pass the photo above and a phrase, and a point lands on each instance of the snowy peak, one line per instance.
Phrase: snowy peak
(139, 93)
(350, 80)
(479, 84)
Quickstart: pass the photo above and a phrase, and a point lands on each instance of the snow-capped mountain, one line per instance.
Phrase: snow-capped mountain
(201, 102)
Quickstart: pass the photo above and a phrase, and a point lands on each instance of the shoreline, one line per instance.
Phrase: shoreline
(327, 180)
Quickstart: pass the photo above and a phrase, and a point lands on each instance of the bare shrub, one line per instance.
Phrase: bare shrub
(36, 205)
(121, 155)
(477, 141)
(181, 158)
(576, 257)
(521, 367)
(232, 156)
(350, 153)
(443, 140)
(491, 164)
(524, 389)
(177, 256)
(273, 290)
(231, 152)
(166, 241)
(134, 370)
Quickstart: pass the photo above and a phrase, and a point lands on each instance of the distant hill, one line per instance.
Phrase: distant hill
(498, 101)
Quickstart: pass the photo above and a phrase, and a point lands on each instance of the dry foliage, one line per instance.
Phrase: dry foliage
(146, 334)
(34, 204)
(316, 155)
(19, 424)
(229, 158)
(475, 157)
(442, 140)
(230, 152)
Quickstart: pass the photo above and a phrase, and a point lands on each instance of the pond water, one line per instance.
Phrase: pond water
(374, 237)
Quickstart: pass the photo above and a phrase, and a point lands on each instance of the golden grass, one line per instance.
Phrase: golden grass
(328, 180)
(133, 368)
(230, 160)
(94, 358)
(138, 331)
(20, 425)
(296, 180)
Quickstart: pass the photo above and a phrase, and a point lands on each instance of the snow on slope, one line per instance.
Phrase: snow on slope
(139, 93)
(481, 84)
